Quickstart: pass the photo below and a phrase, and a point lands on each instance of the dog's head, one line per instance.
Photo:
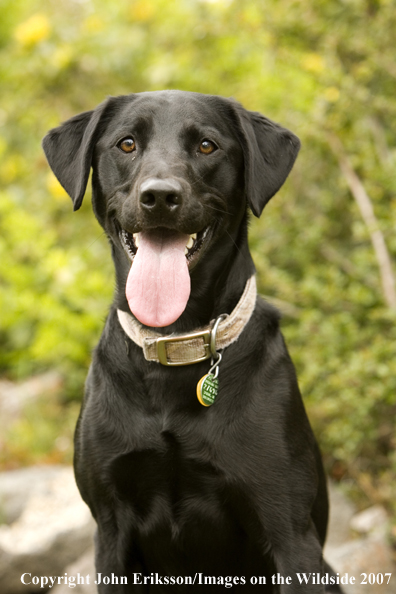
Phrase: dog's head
(172, 175)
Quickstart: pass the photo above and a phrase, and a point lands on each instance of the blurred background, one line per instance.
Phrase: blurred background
(324, 248)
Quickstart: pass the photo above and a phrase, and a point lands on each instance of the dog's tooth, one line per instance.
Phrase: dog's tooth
(186, 251)
(190, 242)
(136, 239)
(193, 236)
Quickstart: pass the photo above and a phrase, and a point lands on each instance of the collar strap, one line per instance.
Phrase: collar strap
(185, 349)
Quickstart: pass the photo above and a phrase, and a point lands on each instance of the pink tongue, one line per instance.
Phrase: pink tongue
(158, 284)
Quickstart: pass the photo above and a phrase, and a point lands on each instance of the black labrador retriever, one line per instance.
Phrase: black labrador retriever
(193, 448)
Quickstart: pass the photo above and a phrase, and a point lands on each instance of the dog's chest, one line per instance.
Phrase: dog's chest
(163, 484)
(178, 510)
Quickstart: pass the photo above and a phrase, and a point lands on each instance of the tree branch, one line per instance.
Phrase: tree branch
(367, 211)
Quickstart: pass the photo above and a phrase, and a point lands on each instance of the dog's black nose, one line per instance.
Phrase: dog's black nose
(160, 194)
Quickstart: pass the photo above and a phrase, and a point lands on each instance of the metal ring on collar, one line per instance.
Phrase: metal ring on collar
(213, 333)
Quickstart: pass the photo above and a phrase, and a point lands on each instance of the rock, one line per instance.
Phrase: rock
(85, 566)
(366, 559)
(341, 514)
(15, 489)
(373, 518)
(359, 557)
(54, 528)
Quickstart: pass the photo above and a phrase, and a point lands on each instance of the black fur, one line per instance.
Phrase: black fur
(177, 489)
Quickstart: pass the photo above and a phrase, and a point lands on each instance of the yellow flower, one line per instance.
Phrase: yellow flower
(142, 10)
(10, 168)
(37, 28)
(313, 63)
(332, 94)
(54, 187)
(62, 56)
(94, 24)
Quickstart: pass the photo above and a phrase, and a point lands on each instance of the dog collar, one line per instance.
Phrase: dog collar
(186, 349)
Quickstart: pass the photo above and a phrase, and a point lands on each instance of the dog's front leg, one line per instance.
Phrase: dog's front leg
(299, 564)
(111, 576)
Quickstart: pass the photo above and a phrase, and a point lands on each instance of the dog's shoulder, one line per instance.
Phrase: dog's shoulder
(263, 337)
(264, 324)
(268, 313)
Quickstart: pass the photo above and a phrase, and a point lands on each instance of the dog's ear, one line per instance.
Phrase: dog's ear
(270, 152)
(69, 149)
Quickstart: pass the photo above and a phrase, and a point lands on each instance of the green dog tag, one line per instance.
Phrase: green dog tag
(207, 389)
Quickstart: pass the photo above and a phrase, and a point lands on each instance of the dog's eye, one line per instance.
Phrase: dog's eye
(207, 146)
(127, 145)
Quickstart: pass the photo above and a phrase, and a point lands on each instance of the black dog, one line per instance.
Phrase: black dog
(227, 495)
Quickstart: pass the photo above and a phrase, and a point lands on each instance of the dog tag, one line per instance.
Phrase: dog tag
(207, 389)
(208, 385)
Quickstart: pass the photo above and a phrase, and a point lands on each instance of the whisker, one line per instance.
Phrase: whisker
(196, 181)
(217, 209)
(234, 242)
(97, 239)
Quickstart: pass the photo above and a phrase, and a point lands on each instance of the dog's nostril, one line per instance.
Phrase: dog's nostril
(172, 199)
(148, 199)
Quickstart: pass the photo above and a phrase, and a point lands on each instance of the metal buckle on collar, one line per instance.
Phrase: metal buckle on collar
(163, 341)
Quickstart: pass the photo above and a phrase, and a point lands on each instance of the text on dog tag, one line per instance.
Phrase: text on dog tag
(207, 389)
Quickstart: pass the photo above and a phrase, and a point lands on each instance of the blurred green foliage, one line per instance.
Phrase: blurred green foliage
(321, 68)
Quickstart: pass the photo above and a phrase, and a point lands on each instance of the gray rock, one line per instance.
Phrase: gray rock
(370, 519)
(53, 530)
(83, 567)
(16, 488)
(341, 514)
(365, 558)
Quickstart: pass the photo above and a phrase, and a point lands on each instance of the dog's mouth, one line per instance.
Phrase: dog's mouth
(195, 241)
(158, 284)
